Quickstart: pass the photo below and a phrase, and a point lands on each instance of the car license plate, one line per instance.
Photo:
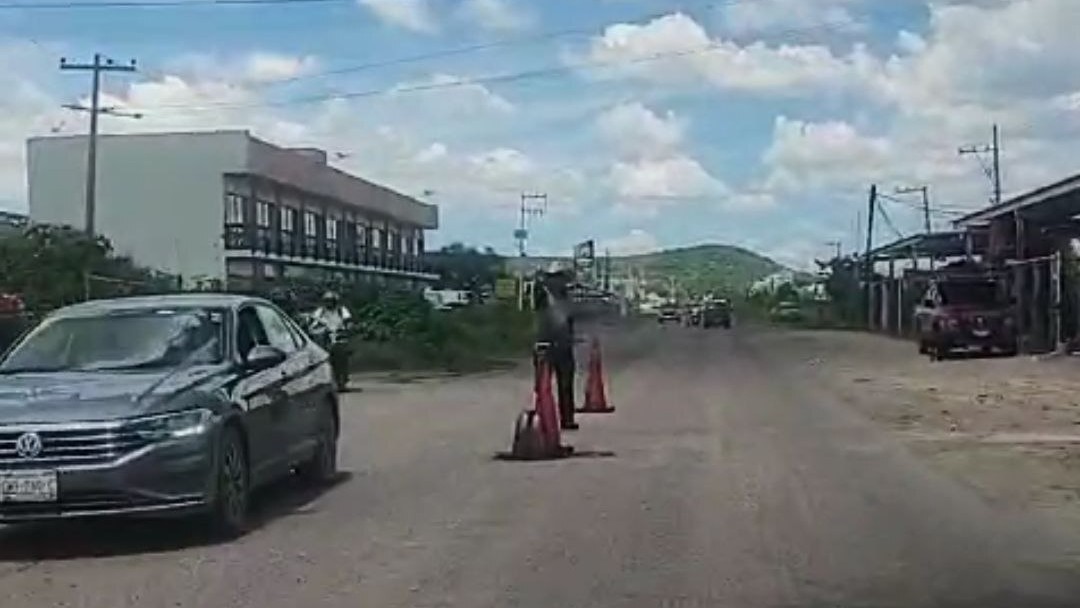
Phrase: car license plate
(28, 486)
(981, 333)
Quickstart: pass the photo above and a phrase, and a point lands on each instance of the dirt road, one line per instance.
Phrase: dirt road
(728, 477)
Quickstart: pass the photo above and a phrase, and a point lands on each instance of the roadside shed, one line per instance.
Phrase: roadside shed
(1033, 236)
(910, 262)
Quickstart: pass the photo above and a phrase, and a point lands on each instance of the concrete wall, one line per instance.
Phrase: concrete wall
(159, 198)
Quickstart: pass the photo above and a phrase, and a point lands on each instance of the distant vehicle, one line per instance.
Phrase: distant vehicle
(963, 312)
(163, 405)
(716, 313)
(446, 299)
(669, 313)
(787, 312)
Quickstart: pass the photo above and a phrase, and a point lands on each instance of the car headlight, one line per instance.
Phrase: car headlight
(173, 426)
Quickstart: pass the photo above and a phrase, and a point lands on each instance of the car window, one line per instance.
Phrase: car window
(142, 338)
(249, 332)
(277, 330)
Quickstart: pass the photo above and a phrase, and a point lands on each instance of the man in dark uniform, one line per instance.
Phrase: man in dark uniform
(555, 327)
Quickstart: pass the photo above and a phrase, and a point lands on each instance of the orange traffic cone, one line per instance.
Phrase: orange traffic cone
(546, 412)
(595, 396)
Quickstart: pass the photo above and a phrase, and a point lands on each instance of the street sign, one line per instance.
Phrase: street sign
(506, 289)
(521, 234)
(585, 251)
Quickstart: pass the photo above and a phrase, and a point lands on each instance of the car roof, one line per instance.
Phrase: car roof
(180, 300)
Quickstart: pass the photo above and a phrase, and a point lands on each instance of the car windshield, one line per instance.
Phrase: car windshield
(969, 292)
(128, 340)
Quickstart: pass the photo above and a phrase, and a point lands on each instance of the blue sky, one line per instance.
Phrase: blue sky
(649, 123)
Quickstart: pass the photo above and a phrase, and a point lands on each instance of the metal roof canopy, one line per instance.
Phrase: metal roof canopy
(1055, 202)
(935, 245)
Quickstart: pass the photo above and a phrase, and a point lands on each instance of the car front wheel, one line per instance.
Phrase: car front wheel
(322, 467)
(229, 511)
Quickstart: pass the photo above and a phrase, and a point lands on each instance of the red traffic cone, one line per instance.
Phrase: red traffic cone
(595, 396)
(528, 442)
(546, 412)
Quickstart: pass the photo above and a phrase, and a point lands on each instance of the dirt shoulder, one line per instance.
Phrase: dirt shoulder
(1009, 427)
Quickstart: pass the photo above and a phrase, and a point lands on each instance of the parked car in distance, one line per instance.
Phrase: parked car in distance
(669, 313)
(787, 312)
(166, 405)
(963, 312)
(717, 313)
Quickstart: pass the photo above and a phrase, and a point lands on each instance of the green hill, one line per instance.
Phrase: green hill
(700, 269)
(704, 268)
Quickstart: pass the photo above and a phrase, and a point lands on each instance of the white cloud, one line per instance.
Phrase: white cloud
(497, 15)
(635, 242)
(676, 49)
(816, 155)
(765, 15)
(448, 94)
(637, 131)
(657, 181)
(268, 67)
(415, 15)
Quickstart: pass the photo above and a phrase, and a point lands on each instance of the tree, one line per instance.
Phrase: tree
(50, 266)
(467, 268)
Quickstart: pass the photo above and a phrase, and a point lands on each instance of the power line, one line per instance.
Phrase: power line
(114, 4)
(502, 43)
(888, 221)
(483, 80)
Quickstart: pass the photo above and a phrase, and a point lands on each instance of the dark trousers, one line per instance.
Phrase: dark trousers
(561, 360)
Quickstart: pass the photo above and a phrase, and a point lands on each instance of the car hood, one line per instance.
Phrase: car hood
(90, 396)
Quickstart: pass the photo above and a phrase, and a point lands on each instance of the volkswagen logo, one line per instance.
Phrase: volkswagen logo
(28, 445)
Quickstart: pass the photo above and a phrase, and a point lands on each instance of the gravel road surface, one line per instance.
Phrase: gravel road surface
(724, 479)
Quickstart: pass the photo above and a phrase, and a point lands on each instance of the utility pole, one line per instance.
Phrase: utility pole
(993, 171)
(99, 65)
(532, 205)
(925, 190)
(869, 262)
(837, 245)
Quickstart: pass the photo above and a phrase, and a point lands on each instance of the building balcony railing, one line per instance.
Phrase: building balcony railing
(302, 248)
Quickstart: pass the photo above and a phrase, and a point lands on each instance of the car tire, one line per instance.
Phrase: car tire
(321, 468)
(924, 348)
(232, 491)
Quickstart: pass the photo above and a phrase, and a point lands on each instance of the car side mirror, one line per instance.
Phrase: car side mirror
(264, 357)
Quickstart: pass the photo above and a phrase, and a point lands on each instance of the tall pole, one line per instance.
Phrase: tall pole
(926, 208)
(997, 167)
(99, 65)
(993, 172)
(925, 191)
(869, 261)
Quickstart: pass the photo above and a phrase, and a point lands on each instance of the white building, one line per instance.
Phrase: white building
(225, 205)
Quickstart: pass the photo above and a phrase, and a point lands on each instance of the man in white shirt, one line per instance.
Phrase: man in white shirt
(333, 317)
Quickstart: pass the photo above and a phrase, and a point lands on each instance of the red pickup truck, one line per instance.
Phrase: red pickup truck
(964, 312)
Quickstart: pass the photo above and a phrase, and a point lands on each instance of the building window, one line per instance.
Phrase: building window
(331, 229)
(262, 214)
(311, 224)
(376, 238)
(287, 222)
(234, 208)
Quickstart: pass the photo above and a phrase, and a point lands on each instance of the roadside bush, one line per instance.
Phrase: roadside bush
(405, 333)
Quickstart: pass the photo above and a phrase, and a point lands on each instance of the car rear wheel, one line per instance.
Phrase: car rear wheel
(322, 467)
(229, 511)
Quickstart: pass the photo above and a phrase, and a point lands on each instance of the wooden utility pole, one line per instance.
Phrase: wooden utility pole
(993, 172)
(868, 263)
(99, 65)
